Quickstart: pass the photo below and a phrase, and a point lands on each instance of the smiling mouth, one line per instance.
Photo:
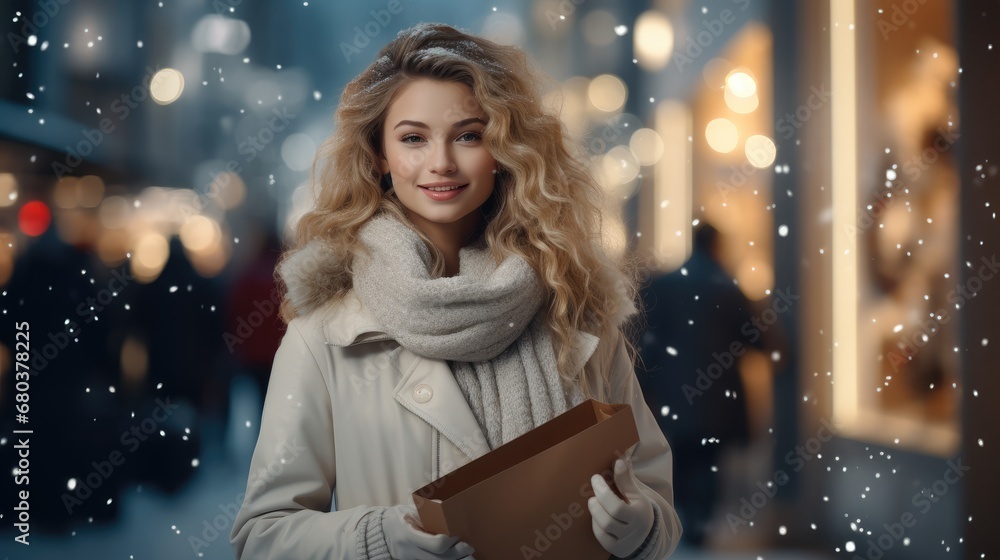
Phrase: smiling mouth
(445, 189)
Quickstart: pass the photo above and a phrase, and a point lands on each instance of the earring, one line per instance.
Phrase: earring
(495, 171)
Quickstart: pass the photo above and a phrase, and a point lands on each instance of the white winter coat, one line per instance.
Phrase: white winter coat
(350, 413)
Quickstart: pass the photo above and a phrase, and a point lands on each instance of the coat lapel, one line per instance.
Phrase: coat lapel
(447, 410)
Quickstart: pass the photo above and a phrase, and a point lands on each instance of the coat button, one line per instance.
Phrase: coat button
(422, 393)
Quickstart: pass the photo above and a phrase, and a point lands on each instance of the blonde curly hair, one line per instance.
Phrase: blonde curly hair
(545, 206)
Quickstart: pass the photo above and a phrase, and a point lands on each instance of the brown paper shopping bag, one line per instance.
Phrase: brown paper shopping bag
(528, 498)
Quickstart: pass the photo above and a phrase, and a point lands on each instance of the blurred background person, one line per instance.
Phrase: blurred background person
(696, 317)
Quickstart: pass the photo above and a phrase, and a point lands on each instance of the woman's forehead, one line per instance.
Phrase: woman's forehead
(434, 102)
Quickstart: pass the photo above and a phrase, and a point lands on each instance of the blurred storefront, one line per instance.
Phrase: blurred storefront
(827, 142)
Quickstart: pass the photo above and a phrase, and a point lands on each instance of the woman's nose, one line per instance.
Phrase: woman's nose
(442, 161)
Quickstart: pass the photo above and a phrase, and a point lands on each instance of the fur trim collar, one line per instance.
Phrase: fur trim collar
(309, 276)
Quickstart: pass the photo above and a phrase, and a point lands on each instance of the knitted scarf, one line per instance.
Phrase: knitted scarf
(486, 322)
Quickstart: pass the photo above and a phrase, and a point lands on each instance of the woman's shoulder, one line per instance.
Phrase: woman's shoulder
(309, 326)
(314, 277)
(338, 321)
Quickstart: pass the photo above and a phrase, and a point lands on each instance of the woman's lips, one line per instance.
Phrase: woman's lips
(444, 195)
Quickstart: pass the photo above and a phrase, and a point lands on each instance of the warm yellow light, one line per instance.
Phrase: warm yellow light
(8, 189)
(844, 195)
(150, 254)
(6, 260)
(742, 105)
(210, 261)
(760, 151)
(620, 168)
(112, 246)
(672, 187)
(114, 212)
(89, 191)
(722, 135)
(741, 84)
(134, 360)
(166, 86)
(64, 193)
(199, 233)
(228, 190)
(607, 92)
(755, 278)
(647, 146)
(653, 40)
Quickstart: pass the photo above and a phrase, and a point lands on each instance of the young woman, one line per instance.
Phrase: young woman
(449, 292)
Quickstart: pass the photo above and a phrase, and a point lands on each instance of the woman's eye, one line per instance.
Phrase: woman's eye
(470, 136)
(410, 139)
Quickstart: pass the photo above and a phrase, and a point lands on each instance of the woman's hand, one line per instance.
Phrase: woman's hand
(620, 526)
(407, 539)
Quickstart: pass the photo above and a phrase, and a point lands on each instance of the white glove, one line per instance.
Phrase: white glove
(408, 540)
(620, 526)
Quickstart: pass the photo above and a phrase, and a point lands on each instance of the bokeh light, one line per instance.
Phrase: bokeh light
(297, 151)
(34, 218)
(114, 212)
(607, 92)
(620, 168)
(149, 256)
(6, 259)
(198, 233)
(653, 40)
(218, 34)
(722, 135)
(647, 146)
(741, 84)
(8, 189)
(113, 245)
(64, 193)
(742, 105)
(228, 190)
(166, 86)
(89, 191)
(760, 151)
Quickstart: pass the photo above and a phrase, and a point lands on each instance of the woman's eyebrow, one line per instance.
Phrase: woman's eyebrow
(458, 124)
(464, 122)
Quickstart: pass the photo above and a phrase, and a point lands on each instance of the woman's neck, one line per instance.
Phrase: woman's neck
(449, 238)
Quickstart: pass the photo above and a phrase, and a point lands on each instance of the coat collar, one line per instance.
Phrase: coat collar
(350, 323)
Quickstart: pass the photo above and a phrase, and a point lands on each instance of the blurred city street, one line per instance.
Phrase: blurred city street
(808, 191)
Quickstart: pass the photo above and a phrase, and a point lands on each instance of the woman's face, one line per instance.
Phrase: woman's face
(433, 139)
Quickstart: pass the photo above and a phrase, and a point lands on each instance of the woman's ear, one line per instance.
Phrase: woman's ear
(383, 165)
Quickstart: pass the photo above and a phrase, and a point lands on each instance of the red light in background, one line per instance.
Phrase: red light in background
(33, 218)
